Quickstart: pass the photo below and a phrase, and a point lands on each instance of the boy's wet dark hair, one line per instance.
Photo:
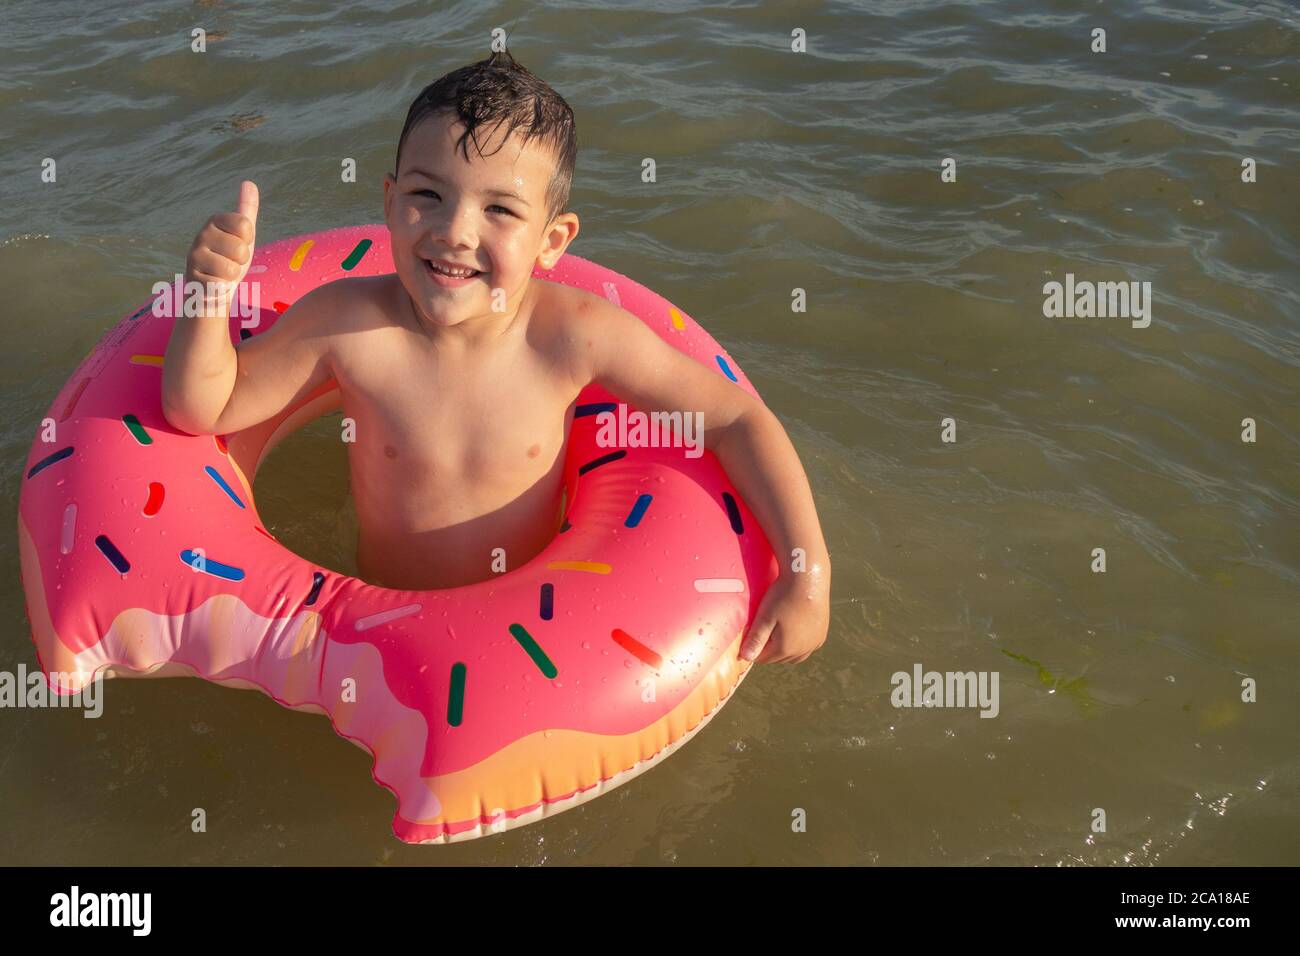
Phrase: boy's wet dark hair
(498, 90)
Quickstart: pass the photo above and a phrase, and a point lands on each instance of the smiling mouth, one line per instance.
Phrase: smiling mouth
(447, 271)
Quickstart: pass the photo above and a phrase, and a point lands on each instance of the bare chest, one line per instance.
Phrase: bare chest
(427, 422)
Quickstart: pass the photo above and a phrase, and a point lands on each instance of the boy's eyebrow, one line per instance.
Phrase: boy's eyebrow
(490, 192)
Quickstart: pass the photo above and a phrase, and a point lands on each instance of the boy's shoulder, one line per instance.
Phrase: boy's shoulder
(568, 309)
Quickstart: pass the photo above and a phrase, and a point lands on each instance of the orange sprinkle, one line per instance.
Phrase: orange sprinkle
(595, 567)
(299, 254)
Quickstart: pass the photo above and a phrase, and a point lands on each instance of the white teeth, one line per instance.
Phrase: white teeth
(454, 274)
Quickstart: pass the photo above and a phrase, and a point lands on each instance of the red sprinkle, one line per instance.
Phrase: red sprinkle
(638, 650)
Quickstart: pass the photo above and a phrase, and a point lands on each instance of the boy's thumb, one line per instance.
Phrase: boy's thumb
(248, 201)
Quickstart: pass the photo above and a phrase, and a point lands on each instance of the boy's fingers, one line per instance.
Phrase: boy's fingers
(248, 201)
(759, 632)
(234, 224)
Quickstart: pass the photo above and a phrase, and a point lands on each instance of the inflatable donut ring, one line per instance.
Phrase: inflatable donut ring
(485, 707)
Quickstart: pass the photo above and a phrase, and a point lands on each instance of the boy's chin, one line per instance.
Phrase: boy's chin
(444, 315)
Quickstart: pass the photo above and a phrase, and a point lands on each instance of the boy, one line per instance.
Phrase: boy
(446, 462)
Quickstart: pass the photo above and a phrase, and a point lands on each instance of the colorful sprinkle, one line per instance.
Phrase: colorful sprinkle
(215, 476)
(156, 494)
(221, 443)
(383, 617)
(456, 699)
(147, 360)
(48, 460)
(69, 529)
(676, 316)
(299, 254)
(594, 408)
(638, 511)
(547, 610)
(726, 369)
(244, 334)
(136, 429)
(534, 651)
(602, 460)
(258, 527)
(72, 401)
(634, 647)
(720, 585)
(317, 580)
(201, 562)
(115, 558)
(280, 306)
(595, 567)
(733, 513)
(355, 255)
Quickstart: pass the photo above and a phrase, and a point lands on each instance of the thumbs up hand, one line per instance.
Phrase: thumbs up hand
(223, 251)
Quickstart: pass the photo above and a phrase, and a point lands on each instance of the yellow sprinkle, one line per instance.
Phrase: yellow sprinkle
(676, 316)
(299, 254)
(595, 567)
(146, 359)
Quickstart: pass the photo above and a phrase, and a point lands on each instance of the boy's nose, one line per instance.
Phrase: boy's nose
(456, 226)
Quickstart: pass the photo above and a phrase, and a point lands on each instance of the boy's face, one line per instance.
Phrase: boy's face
(487, 214)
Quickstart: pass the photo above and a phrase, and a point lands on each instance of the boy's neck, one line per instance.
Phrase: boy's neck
(472, 334)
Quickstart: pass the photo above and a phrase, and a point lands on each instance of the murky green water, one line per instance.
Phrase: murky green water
(821, 171)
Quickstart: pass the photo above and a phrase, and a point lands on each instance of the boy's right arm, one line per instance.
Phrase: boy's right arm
(210, 386)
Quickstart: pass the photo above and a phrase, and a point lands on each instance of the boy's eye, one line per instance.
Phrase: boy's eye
(431, 193)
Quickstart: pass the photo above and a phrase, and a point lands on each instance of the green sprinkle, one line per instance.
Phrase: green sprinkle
(456, 702)
(135, 428)
(355, 255)
(536, 653)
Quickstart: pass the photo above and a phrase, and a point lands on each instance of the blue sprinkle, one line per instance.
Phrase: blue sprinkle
(48, 460)
(638, 511)
(222, 482)
(317, 580)
(208, 566)
(733, 513)
(115, 558)
(602, 460)
(726, 369)
(547, 609)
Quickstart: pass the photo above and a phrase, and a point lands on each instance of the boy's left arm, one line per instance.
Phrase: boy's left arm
(615, 349)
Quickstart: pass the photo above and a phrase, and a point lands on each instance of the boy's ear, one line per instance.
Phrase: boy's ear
(389, 182)
(562, 231)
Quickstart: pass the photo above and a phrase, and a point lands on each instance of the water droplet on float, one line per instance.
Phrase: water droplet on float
(586, 645)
